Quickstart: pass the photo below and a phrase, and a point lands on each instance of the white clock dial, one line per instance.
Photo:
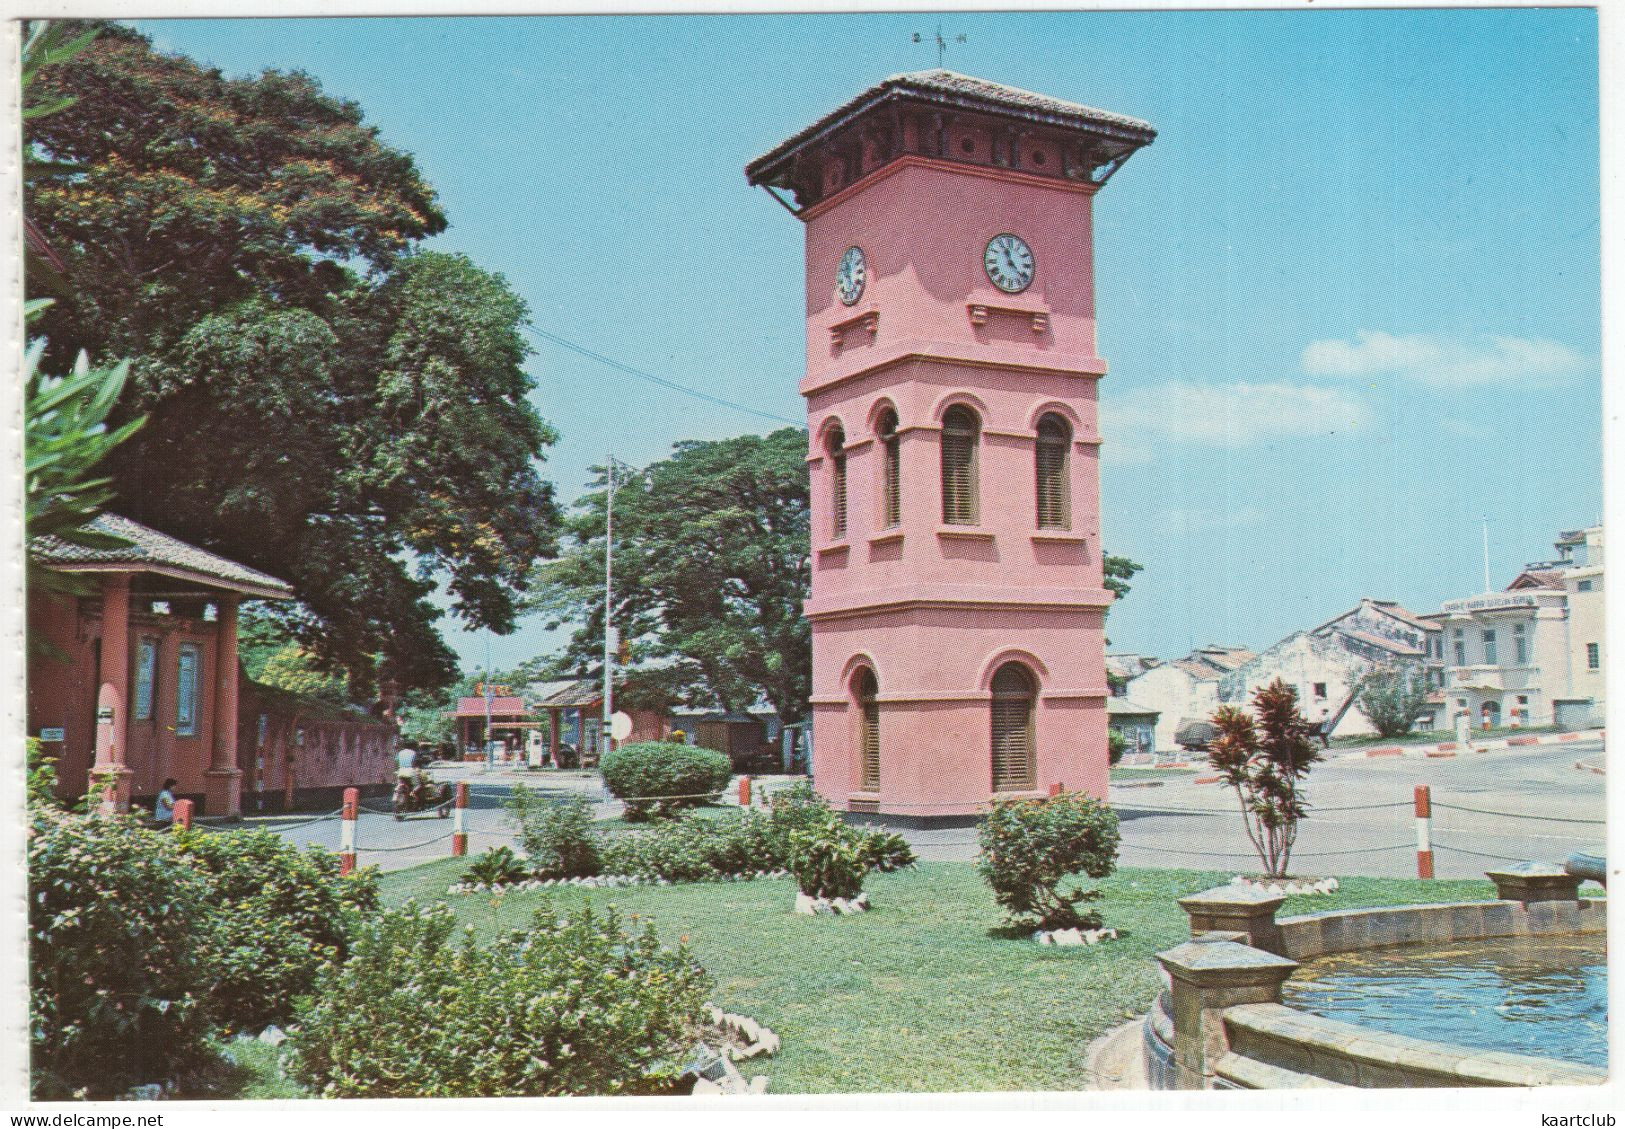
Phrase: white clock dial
(1009, 263)
(851, 275)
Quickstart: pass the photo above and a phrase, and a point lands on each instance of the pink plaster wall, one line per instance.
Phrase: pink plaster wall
(934, 608)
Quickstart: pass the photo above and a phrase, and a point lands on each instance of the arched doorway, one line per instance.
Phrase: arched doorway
(1489, 714)
(1015, 760)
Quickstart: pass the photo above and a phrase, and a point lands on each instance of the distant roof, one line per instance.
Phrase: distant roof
(475, 707)
(949, 88)
(151, 551)
(1394, 645)
(1124, 708)
(567, 692)
(1394, 609)
(1195, 731)
(1537, 578)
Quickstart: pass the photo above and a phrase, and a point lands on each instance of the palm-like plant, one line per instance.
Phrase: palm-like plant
(1264, 758)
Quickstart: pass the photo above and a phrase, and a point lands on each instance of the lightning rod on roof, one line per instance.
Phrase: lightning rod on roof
(942, 43)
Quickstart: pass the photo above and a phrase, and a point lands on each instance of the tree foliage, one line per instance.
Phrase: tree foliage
(1264, 759)
(1392, 697)
(326, 402)
(716, 538)
(1118, 572)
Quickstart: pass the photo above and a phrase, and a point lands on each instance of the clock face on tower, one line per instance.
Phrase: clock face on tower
(1009, 263)
(850, 275)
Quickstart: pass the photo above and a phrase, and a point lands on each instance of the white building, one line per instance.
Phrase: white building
(1184, 690)
(1533, 654)
(1325, 664)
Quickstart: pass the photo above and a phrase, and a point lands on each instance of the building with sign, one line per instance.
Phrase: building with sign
(1532, 654)
(957, 604)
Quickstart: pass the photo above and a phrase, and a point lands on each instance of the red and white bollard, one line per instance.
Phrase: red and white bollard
(1424, 838)
(744, 791)
(347, 816)
(183, 816)
(459, 828)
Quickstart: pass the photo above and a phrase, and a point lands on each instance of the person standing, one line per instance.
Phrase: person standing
(163, 808)
(406, 762)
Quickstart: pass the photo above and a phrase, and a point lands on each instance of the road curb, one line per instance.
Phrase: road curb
(1451, 748)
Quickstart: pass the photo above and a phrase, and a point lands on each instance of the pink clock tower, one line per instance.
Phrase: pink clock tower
(957, 601)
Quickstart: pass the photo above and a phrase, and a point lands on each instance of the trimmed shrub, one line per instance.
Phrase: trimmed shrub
(572, 1006)
(1030, 846)
(498, 866)
(685, 849)
(1116, 746)
(556, 834)
(829, 859)
(886, 850)
(122, 958)
(658, 777)
(285, 913)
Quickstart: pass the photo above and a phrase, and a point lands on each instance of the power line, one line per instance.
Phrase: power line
(660, 380)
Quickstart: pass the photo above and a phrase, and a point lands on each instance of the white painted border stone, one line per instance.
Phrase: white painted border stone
(1290, 886)
(1072, 938)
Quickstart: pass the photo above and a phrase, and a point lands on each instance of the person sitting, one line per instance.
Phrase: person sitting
(163, 808)
(406, 763)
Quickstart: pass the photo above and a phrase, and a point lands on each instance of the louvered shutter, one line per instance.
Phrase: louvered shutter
(838, 500)
(959, 468)
(1054, 489)
(837, 483)
(1014, 760)
(892, 485)
(868, 690)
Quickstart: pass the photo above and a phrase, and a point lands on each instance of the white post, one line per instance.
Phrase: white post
(1486, 553)
(1424, 837)
(347, 821)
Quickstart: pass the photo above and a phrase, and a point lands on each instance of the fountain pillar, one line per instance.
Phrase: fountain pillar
(1205, 977)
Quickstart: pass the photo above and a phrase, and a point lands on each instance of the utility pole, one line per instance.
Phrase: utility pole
(609, 591)
(1486, 554)
(488, 692)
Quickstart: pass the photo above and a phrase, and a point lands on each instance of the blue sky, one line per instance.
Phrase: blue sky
(1350, 297)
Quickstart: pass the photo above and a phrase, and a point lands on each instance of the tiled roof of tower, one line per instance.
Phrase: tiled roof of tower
(151, 550)
(949, 88)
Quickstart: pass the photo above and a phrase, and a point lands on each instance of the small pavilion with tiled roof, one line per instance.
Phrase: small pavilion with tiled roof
(136, 679)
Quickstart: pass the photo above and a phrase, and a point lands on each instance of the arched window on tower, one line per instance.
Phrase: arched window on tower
(891, 471)
(960, 429)
(1053, 465)
(866, 689)
(1015, 766)
(836, 446)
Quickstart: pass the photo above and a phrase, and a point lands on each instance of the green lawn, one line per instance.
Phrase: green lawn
(924, 992)
(1128, 775)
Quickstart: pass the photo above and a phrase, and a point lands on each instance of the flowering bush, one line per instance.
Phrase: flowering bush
(284, 913)
(1030, 846)
(122, 958)
(645, 772)
(557, 834)
(571, 1006)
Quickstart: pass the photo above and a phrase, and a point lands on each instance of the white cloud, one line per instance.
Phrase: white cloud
(1441, 362)
(1229, 415)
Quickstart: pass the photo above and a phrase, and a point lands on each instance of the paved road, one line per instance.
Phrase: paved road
(1380, 841)
(1205, 833)
(390, 845)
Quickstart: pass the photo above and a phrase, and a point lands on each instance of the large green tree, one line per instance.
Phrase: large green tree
(713, 543)
(326, 401)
